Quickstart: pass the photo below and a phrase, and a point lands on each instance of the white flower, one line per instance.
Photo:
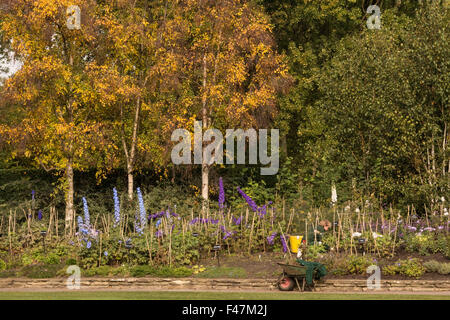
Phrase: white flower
(356, 234)
(445, 212)
(333, 194)
(376, 235)
(347, 208)
(357, 210)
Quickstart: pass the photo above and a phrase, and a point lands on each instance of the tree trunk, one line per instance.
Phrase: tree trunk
(130, 182)
(130, 155)
(205, 185)
(205, 167)
(70, 212)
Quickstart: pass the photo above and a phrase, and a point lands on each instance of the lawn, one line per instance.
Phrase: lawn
(172, 295)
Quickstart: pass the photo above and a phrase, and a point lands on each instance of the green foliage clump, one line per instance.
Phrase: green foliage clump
(2, 265)
(314, 251)
(426, 244)
(39, 271)
(165, 271)
(223, 272)
(438, 267)
(357, 264)
(411, 268)
(103, 271)
(7, 274)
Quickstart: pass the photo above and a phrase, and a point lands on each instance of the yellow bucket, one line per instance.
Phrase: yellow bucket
(295, 242)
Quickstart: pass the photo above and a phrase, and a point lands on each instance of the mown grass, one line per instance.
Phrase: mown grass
(171, 295)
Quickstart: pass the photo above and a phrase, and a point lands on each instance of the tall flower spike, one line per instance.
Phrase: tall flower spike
(116, 208)
(221, 194)
(87, 219)
(333, 194)
(143, 214)
(249, 200)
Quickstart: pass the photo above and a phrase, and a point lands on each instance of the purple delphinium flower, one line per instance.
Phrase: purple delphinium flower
(40, 215)
(221, 194)
(87, 219)
(137, 223)
(249, 200)
(159, 233)
(228, 234)
(283, 242)
(105, 253)
(143, 214)
(32, 195)
(213, 221)
(262, 211)
(271, 238)
(158, 223)
(88, 245)
(82, 226)
(237, 221)
(116, 208)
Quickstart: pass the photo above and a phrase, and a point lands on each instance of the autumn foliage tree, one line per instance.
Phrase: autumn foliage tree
(58, 127)
(223, 58)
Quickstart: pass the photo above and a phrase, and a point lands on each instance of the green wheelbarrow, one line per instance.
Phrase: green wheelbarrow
(294, 275)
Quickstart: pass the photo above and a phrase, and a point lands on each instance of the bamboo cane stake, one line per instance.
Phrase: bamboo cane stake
(9, 232)
(290, 221)
(395, 238)
(56, 223)
(151, 244)
(14, 222)
(285, 241)
(251, 235)
(100, 252)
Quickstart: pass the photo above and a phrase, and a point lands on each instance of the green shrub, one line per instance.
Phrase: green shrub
(71, 262)
(223, 272)
(357, 264)
(27, 260)
(173, 272)
(142, 271)
(313, 251)
(40, 271)
(410, 268)
(7, 274)
(120, 271)
(438, 267)
(51, 258)
(391, 270)
(99, 271)
(145, 270)
(2, 265)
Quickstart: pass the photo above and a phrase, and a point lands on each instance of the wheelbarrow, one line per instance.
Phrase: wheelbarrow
(293, 275)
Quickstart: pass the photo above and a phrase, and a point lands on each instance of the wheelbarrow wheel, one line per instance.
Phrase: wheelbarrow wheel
(286, 284)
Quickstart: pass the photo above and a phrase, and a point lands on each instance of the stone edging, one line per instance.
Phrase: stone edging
(147, 283)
